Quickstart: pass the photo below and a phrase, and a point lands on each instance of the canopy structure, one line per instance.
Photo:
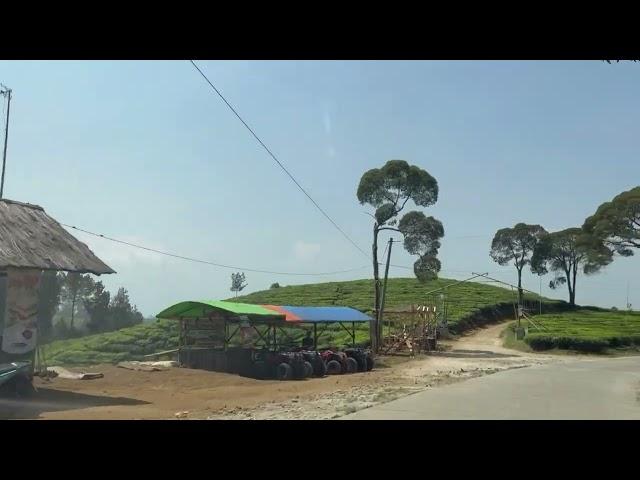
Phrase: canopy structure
(319, 314)
(204, 308)
(205, 324)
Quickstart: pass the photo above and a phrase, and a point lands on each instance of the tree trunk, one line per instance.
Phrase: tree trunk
(373, 327)
(573, 289)
(519, 287)
(73, 311)
(570, 287)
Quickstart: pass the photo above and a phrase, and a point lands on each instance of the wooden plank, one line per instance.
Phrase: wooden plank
(166, 352)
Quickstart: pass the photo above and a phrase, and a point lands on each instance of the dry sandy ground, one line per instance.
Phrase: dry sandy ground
(128, 394)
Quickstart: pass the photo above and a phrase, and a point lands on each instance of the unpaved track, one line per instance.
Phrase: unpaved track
(127, 394)
(475, 354)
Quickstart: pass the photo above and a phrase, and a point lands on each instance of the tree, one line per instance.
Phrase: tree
(388, 189)
(617, 223)
(275, 285)
(565, 253)
(237, 282)
(121, 313)
(97, 306)
(48, 302)
(75, 288)
(516, 244)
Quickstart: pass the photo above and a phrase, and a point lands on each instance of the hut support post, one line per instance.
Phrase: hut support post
(315, 336)
(275, 337)
(226, 334)
(353, 329)
(352, 333)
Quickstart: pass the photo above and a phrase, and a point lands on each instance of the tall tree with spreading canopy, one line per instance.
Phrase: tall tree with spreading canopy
(237, 282)
(516, 245)
(617, 223)
(75, 288)
(388, 189)
(567, 252)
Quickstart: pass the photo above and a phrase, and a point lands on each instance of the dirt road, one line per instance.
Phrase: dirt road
(127, 394)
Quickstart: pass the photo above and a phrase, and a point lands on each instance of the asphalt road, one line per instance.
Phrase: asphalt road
(585, 389)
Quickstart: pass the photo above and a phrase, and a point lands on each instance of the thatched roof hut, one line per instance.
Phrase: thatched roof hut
(29, 238)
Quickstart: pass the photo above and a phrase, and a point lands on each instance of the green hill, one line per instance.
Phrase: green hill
(468, 305)
(462, 299)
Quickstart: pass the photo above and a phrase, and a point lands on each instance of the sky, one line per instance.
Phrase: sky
(146, 152)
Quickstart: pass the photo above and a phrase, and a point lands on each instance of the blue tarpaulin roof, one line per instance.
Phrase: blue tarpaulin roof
(319, 314)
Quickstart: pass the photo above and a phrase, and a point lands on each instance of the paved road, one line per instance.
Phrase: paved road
(585, 389)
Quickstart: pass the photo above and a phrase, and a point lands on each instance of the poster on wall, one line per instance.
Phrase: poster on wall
(21, 315)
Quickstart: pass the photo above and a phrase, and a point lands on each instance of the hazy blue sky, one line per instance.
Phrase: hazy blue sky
(146, 152)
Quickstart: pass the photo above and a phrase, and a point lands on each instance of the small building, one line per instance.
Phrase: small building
(32, 242)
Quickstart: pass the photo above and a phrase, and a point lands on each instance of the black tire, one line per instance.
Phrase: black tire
(321, 369)
(351, 366)
(18, 387)
(299, 370)
(25, 388)
(334, 367)
(370, 363)
(260, 370)
(284, 372)
(308, 370)
(361, 358)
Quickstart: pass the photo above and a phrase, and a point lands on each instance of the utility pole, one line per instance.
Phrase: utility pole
(628, 304)
(384, 291)
(5, 92)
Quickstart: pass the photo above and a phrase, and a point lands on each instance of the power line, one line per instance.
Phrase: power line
(191, 259)
(232, 267)
(278, 161)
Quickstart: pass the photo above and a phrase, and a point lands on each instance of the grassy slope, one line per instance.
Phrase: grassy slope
(132, 343)
(125, 344)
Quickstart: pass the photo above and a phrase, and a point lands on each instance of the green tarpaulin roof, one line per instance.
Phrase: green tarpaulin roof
(202, 308)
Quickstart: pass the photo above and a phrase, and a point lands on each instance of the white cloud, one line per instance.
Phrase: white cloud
(306, 251)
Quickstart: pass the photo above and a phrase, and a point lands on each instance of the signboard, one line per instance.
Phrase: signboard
(21, 316)
(205, 331)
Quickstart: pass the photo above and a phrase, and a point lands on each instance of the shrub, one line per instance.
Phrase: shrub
(581, 344)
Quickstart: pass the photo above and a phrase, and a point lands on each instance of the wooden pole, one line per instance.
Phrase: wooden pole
(315, 336)
(6, 92)
(353, 337)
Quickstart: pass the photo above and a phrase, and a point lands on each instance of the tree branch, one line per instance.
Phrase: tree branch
(403, 203)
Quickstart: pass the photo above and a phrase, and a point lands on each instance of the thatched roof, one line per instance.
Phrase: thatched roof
(29, 238)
